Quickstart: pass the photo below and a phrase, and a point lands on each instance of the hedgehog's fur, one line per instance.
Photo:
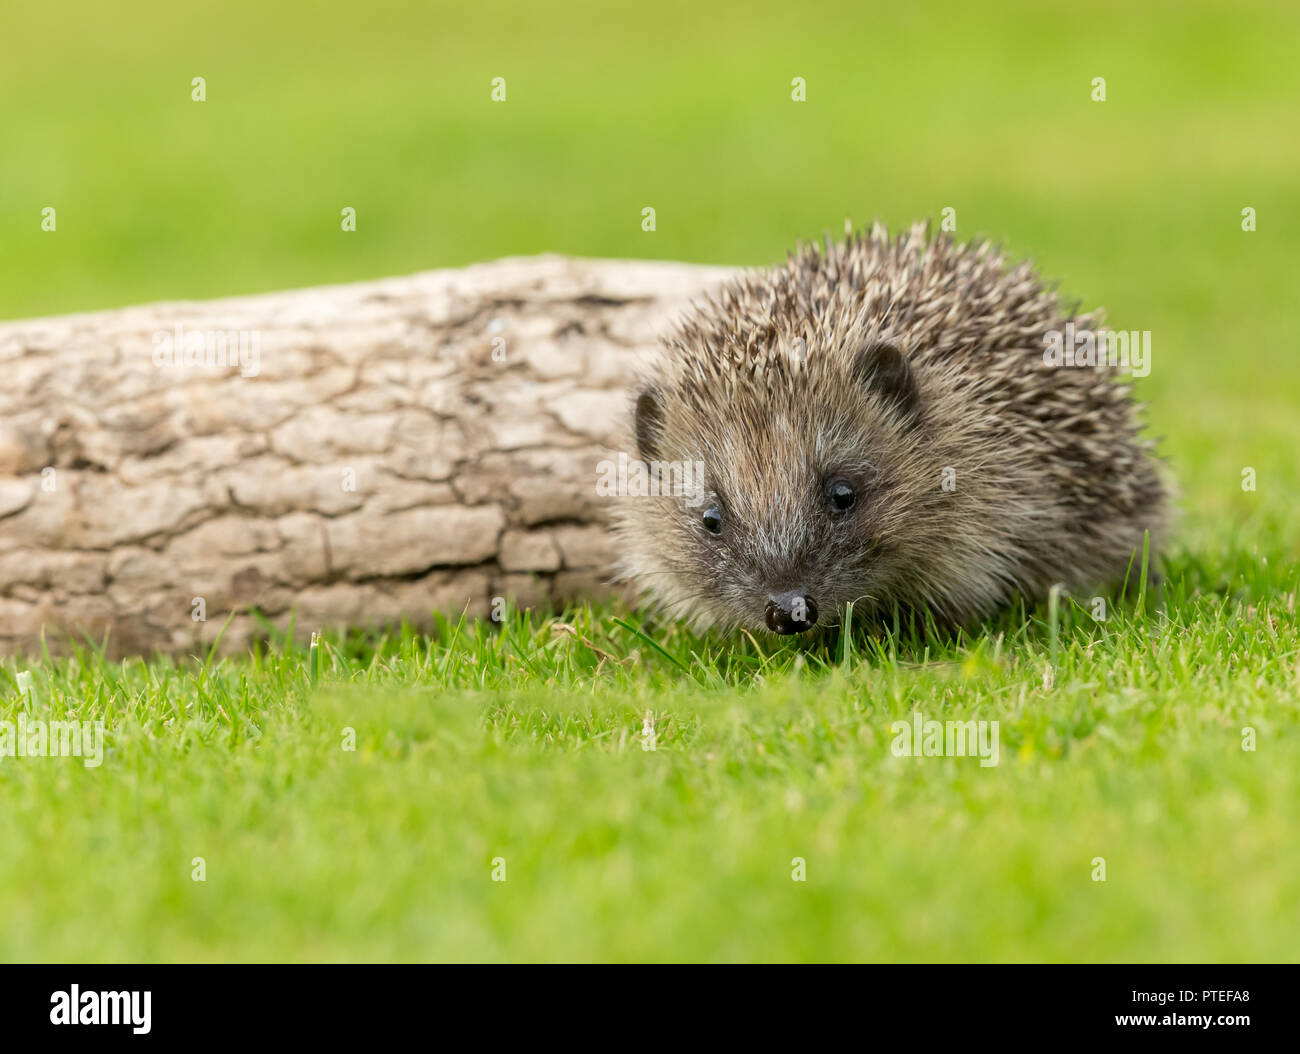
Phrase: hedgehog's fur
(1052, 482)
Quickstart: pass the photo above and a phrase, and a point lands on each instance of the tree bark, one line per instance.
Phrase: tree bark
(393, 448)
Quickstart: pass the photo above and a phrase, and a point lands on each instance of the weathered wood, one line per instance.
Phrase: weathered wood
(394, 447)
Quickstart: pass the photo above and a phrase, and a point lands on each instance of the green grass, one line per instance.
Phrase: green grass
(525, 742)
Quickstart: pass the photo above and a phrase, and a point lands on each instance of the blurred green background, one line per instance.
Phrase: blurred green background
(386, 107)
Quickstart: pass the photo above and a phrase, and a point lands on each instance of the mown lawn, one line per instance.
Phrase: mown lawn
(528, 747)
(525, 743)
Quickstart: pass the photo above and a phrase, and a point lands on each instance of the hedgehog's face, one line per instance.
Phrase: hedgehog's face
(799, 499)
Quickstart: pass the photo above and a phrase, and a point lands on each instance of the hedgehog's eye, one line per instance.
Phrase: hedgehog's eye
(713, 520)
(841, 496)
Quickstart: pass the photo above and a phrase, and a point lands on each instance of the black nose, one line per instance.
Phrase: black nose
(790, 613)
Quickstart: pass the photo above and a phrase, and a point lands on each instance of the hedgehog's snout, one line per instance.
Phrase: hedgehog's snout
(792, 612)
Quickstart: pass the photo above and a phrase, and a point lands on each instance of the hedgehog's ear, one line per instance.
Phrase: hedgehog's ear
(883, 368)
(649, 423)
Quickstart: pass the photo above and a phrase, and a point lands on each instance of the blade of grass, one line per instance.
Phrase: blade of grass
(654, 644)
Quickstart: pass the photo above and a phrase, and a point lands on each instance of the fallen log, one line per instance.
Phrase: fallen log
(340, 456)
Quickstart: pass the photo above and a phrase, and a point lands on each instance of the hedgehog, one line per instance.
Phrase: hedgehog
(877, 424)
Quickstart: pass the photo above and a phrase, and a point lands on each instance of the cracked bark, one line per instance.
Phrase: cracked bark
(383, 463)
